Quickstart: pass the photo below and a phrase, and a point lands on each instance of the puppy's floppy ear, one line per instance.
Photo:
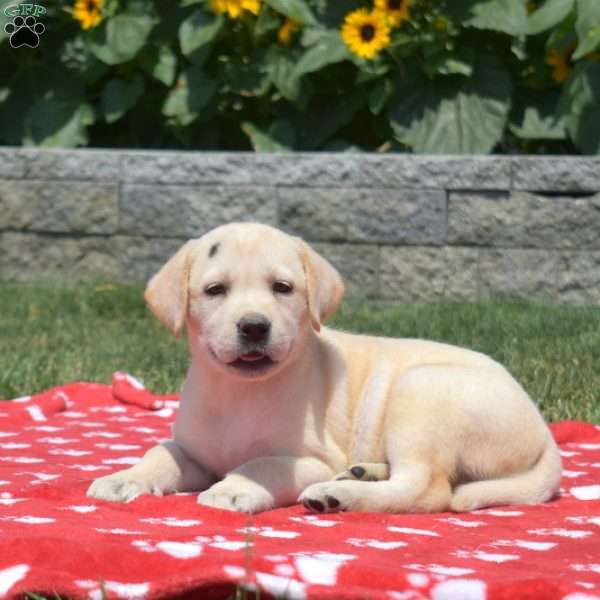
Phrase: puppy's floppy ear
(324, 285)
(167, 292)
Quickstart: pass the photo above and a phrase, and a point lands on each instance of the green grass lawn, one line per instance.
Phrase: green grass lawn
(53, 334)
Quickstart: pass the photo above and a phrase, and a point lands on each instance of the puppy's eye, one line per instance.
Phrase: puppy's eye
(282, 287)
(215, 289)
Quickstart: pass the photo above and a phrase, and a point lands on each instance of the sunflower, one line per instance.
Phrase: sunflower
(235, 8)
(88, 12)
(287, 30)
(366, 33)
(561, 63)
(396, 11)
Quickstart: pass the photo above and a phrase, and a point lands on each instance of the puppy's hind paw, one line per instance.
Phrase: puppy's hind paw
(365, 472)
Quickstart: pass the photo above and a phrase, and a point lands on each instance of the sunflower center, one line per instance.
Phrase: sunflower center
(367, 33)
(395, 4)
(91, 5)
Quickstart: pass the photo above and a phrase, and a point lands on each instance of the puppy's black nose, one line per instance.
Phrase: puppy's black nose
(254, 328)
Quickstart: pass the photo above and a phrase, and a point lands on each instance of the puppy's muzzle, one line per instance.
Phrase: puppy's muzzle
(254, 329)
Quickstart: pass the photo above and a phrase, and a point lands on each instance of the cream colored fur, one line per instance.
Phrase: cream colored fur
(448, 428)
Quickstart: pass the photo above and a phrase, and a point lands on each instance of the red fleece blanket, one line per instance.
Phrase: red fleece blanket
(55, 539)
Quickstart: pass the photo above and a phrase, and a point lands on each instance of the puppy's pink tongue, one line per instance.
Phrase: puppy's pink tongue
(252, 356)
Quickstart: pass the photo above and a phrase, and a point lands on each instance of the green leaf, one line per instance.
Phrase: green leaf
(326, 116)
(23, 93)
(280, 69)
(327, 47)
(580, 104)
(371, 70)
(119, 96)
(120, 38)
(379, 95)
(76, 56)
(551, 13)
(278, 138)
(447, 64)
(59, 121)
(198, 30)
(192, 92)
(294, 9)
(518, 46)
(452, 114)
(247, 78)
(267, 22)
(535, 116)
(161, 63)
(507, 16)
(587, 27)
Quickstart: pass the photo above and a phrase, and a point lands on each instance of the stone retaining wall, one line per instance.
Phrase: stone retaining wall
(397, 226)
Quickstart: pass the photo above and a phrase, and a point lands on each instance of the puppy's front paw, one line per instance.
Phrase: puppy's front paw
(331, 496)
(240, 495)
(117, 488)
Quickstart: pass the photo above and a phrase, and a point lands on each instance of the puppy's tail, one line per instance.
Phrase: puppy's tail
(539, 484)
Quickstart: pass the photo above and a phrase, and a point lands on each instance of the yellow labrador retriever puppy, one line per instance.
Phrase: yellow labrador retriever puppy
(277, 408)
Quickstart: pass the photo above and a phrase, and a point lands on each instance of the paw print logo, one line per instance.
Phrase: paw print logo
(24, 32)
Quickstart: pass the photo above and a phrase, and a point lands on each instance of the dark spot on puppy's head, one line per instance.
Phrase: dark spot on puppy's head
(213, 250)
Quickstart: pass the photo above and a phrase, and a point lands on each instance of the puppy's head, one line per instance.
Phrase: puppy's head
(249, 293)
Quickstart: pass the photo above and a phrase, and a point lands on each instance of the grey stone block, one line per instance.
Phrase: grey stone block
(191, 211)
(57, 206)
(358, 265)
(556, 173)
(317, 170)
(390, 171)
(12, 163)
(579, 277)
(236, 168)
(361, 215)
(27, 256)
(426, 274)
(139, 258)
(81, 164)
(446, 172)
(518, 272)
(523, 220)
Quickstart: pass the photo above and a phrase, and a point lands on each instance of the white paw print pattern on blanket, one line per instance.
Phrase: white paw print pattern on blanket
(53, 444)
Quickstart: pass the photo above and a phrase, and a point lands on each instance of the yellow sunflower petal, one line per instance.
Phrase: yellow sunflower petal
(365, 33)
(235, 8)
(287, 30)
(252, 6)
(561, 61)
(395, 11)
(218, 6)
(88, 12)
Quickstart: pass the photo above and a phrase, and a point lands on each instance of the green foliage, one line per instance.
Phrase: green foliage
(456, 76)
(459, 114)
(119, 39)
(581, 107)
